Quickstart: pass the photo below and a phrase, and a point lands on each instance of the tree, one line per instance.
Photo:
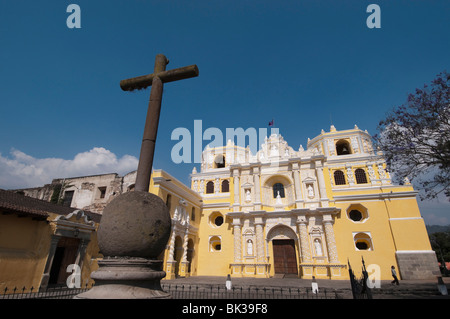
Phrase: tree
(415, 138)
(440, 243)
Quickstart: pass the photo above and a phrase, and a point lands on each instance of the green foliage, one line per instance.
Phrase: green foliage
(58, 191)
(440, 242)
(56, 194)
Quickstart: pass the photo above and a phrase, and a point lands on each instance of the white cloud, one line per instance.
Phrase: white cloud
(21, 170)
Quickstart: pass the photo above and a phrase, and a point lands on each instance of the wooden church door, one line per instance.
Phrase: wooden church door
(284, 257)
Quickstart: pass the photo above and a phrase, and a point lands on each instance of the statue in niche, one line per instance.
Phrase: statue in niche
(249, 247)
(278, 202)
(310, 191)
(318, 247)
(248, 196)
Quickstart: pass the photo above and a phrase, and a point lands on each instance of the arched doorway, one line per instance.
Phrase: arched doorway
(178, 254)
(190, 254)
(284, 256)
(284, 253)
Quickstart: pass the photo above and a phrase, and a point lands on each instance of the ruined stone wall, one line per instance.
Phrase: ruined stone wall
(91, 193)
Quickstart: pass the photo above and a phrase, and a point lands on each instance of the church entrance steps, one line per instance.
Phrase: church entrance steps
(408, 289)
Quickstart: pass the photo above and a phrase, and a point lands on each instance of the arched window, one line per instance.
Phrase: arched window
(215, 244)
(342, 147)
(210, 187)
(225, 186)
(361, 177)
(219, 161)
(363, 241)
(339, 178)
(278, 187)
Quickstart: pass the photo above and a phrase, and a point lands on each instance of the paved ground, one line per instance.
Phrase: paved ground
(408, 289)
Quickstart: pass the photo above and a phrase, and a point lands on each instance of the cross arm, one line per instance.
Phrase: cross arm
(142, 82)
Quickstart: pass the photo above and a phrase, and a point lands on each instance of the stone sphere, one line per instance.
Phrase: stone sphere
(134, 224)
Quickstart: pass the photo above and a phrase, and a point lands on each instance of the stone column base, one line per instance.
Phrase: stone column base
(127, 278)
(328, 270)
(170, 269)
(306, 271)
(237, 269)
(259, 270)
(184, 266)
(337, 271)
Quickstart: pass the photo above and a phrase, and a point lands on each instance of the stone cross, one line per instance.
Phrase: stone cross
(156, 80)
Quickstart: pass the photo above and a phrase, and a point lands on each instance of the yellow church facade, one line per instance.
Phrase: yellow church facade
(278, 212)
(286, 212)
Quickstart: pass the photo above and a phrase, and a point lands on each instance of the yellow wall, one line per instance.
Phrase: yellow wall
(168, 185)
(24, 247)
(377, 224)
(211, 262)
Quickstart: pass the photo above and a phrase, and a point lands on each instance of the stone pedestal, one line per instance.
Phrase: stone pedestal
(307, 271)
(133, 232)
(170, 269)
(184, 266)
(236, 269)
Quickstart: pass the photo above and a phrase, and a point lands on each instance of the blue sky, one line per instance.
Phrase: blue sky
(303, 63)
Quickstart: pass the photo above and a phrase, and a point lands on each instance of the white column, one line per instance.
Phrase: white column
(331, 241)
(304, 242)
(185, 246)
(171, 246)
(350, 175)
(259, 224)
(321, 180)
(297, 185)
(236, 190)
(237, 240)
(257, 188)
